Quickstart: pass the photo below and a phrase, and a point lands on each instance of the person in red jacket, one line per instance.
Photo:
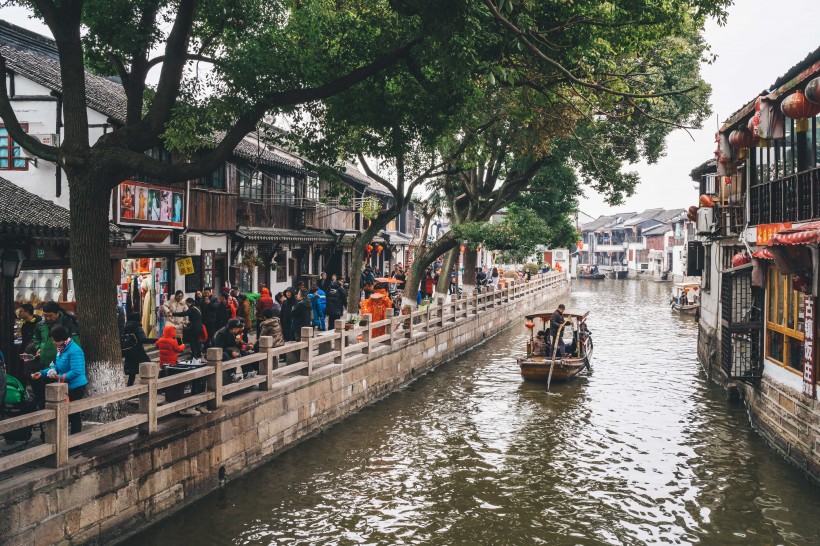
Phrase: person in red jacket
(263, 303)
(168, 346)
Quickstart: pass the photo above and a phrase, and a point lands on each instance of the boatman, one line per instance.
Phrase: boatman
(556, 330)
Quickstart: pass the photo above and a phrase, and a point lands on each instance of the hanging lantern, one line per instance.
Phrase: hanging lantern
(693, 209)
(741, 258)
(813, 90)
(742, 139)
(379, 249)
(529, 325)
(463, 248)
(706, 201)
(800, 109)
(369, 248)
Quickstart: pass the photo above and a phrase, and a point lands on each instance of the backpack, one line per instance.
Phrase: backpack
(128, 341)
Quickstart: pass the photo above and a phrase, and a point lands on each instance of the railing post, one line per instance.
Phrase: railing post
(339, 341)
(367, 318)
(270, 363)
(306, 354)
(409, 328)
(439, 312)
(391, 326)
(214, 381)
(429, 315)
(57, 430)
(454, 305)
(148, 400)
(476, 299)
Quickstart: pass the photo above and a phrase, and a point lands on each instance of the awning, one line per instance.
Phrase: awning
(805, 234)
(763, 254)
(397, 238)
(275, 235)
(655, 254)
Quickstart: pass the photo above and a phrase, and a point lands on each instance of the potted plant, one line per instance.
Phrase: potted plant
(352, 321)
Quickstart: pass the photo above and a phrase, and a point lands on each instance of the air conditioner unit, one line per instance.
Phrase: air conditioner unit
(560, 255)
(706, 220)
(190, 244)
(50, 139)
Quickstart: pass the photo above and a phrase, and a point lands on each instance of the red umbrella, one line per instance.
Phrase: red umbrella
(386, 279)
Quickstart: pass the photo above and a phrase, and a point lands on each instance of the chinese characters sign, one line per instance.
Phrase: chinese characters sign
(809, 348)
(145, 205)
(765, 232)
(185, 266)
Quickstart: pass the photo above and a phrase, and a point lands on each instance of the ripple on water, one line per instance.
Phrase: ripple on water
(642, 451)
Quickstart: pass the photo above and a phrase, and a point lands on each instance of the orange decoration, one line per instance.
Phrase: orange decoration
(706, 201)
(462, 249)
(529, 324)
(379, 249)
(369, 248)
(799, 108)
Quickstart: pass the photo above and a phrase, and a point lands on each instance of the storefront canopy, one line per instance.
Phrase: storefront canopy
(763, 254)
(805, 234)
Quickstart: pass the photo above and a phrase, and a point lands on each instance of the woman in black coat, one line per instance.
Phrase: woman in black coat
(134, 354)
(286, 315)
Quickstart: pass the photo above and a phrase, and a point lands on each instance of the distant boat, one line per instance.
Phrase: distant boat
(591, 273)
(685, 297)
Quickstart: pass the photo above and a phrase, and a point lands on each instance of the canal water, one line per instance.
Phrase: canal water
(645, 450)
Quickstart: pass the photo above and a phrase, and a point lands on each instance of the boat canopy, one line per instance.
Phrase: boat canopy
(687, 285)
(546, 315)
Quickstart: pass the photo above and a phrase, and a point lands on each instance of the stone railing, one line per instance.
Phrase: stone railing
(345, 345)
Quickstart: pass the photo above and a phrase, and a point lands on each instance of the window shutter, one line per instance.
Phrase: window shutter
(694, 259)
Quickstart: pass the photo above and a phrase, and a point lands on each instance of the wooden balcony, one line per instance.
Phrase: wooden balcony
(211, 210)
(795, 198)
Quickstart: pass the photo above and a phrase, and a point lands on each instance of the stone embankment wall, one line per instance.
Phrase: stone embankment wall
(115, 487)
(783, 416)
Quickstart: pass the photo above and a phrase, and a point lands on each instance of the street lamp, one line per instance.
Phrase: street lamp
(11, 261)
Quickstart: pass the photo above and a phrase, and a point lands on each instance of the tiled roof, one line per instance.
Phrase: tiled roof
(648, 214)
(276, 235)
(252, 149)
(25, 214)
(102, 95)
(26, 40)
(657, 230)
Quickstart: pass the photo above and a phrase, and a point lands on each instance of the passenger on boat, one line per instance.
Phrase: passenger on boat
(556, 330)
(539, 344)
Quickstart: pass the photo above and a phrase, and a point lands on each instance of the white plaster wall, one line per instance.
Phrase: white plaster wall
(41, 119)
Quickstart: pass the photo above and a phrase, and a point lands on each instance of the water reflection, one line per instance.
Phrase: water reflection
(642, 451)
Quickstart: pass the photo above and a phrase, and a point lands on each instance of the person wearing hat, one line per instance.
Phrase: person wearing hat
(557, 330)
(539, 344)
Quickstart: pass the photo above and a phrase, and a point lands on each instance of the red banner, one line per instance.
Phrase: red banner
(809, 347)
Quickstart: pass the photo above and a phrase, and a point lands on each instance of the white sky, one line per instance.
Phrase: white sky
(761, 40)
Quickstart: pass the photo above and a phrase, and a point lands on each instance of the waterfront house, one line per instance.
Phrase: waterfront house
(758, 253)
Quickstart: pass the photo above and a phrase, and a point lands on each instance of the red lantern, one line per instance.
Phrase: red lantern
(529, 325)
(369, 248)
(379, 249)
(706, 201)
(742, 139)
(799, 108)
(741, 258)
(693, 209)
(463, 248)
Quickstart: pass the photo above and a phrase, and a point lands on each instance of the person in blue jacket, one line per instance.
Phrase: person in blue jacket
(318, 300)
(69, 367)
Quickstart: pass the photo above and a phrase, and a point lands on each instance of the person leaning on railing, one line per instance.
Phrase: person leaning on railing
(69, 367)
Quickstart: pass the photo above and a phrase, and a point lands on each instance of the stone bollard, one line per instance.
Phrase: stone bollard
(57, 429)
(214, 381)
(148, 400)
(270, 363)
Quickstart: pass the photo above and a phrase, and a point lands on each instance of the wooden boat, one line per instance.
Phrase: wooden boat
(545, 368)
(619, 272)
(591, 273)
(685, 297)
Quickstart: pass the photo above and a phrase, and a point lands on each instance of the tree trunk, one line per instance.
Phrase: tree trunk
(450, 259)
(90, 200)
(468, 277)
(360, 252)
(424, 256)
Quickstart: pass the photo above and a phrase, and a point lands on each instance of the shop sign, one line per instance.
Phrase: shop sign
(185, 266)
(141, 204)
(41, 253)
(809, 347)
(766, 231)
(148, 235)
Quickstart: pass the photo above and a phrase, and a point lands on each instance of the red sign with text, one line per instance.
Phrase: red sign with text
(809, 347)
